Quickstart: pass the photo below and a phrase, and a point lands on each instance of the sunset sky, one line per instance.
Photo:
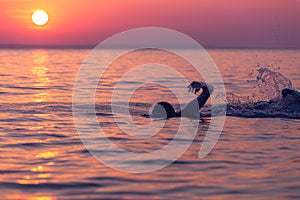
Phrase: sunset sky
(213, 23)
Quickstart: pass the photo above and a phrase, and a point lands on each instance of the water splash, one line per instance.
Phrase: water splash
(269, 85)
(266, 99)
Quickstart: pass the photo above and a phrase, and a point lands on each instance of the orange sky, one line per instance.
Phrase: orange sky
(217, 23)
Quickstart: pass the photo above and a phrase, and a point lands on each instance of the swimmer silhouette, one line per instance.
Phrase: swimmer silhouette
(165, 110)
(290, 96)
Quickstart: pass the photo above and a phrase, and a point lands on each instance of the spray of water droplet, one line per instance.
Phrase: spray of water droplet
(265, 100)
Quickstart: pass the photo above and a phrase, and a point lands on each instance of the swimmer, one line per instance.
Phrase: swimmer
(165, 110)
(290, 96)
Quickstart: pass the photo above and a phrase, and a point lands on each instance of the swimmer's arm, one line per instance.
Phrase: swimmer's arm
(193, 107)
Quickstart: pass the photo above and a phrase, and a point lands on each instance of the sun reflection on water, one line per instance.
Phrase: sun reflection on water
(39, 173)
(42, 198)
(40, 70)
(46, 155)
(37, 169)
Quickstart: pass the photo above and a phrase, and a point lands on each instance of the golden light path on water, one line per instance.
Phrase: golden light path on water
(39, 71)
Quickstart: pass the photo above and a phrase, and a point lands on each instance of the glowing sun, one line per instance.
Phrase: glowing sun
(39, 17)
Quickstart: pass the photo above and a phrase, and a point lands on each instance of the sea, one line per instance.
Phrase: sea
(44, 155)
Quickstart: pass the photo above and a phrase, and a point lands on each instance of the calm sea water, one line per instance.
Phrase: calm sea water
(42, 156)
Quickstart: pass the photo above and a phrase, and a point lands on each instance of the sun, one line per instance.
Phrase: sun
(39, 17)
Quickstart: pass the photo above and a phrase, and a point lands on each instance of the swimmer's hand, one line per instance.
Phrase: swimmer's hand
(195, 86)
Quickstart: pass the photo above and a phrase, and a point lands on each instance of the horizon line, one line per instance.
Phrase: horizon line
(91, 46)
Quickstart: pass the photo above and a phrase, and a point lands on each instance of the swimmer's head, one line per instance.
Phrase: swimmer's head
(286, 91)
(163, 110)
